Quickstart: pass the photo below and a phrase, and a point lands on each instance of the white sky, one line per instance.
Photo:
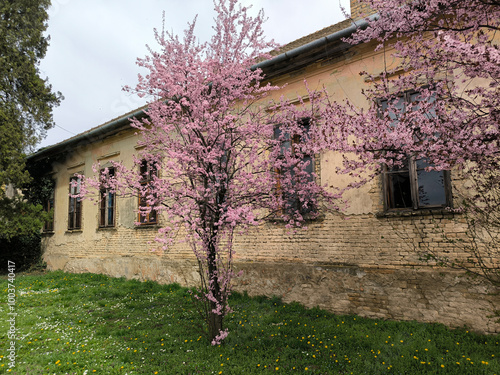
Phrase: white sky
(94, 45)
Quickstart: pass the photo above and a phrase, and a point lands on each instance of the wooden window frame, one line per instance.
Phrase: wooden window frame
(413, 173)
(416, 200)
(75, 205)
(107, 211)
(294, 141)
(48, 226)
(148, 171)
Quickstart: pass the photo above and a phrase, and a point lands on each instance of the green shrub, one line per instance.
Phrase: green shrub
(24, 251)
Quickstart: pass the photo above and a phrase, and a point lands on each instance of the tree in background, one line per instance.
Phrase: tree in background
(26, 102)
(437, 109)
(218, 157)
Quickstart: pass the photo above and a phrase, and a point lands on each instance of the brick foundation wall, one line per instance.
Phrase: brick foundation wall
(361, 265)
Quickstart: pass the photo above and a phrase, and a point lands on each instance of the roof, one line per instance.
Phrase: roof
(314, 36)
(92, 135)
(322, 44)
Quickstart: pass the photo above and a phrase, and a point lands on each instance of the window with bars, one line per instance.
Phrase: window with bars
(75, 204)
(147, 213)
(410, 186)
(107, 204)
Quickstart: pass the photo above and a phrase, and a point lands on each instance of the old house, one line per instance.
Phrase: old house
(366, 264)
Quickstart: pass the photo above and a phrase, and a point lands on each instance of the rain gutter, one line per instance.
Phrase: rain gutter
(338, 35)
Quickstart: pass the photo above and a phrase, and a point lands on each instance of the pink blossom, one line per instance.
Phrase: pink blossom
(210, 135)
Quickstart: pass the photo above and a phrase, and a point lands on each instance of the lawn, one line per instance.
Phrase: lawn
(93, 324)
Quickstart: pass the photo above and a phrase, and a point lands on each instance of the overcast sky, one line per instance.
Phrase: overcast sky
(94, 45)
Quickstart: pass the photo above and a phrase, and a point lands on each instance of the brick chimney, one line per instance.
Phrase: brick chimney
(359, 9)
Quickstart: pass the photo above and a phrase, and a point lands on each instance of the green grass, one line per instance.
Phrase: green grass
(92, 324)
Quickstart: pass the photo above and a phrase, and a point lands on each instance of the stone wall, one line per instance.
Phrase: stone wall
(400, 293)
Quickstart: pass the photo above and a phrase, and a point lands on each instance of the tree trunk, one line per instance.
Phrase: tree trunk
(214, 323)
(215, 320)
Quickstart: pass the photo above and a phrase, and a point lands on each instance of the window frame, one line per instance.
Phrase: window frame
(294, 140)
(413, 171)
(74, 205)
(416, 203)
(150, 218)
(104, 207)
(48, 226)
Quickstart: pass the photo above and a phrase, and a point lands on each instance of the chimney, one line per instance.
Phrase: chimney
(360, 9)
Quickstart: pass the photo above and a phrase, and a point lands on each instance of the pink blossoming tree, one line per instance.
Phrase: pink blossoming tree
(218, 156)
(448, 54)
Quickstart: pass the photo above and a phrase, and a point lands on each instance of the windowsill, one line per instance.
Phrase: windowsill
(419, 212)
(74, 231)
(113, 228)
(48, 233)
(147, 226)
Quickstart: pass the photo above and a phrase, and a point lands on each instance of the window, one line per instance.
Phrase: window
(49, 207)
(292, 201)
(75, 205)
(147, 214)
(107, 203)
(410, 186)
